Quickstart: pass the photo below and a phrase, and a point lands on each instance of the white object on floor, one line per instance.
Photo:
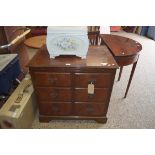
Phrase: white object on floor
(67, 40)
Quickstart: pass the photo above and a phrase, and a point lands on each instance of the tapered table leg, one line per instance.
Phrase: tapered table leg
(120, 73)
(130, 79)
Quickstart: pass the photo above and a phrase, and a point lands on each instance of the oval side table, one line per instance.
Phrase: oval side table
(125, 51)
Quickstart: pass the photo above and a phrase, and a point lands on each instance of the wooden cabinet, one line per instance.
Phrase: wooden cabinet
(61, 84)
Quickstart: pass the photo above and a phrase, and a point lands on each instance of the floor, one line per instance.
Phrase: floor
(137, 110)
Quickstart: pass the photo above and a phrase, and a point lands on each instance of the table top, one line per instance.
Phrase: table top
(97, 56)
(121, 46)
(36, 42)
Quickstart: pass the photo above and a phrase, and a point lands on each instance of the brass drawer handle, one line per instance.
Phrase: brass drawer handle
(89, 108)
(93, 81)
(52, 79)
(55, 108)
(54, 94)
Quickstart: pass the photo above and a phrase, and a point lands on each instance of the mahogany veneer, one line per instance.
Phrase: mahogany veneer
(61, 84)
(125, 51)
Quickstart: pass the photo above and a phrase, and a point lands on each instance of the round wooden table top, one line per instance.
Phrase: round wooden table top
(121, 46)
(125, 50)
(36, 42)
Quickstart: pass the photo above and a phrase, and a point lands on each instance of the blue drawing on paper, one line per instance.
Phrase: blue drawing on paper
(67, 44)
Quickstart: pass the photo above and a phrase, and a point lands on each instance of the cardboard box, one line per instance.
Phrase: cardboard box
(19, 110)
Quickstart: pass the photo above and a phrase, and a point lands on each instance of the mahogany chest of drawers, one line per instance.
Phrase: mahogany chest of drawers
(61, 84)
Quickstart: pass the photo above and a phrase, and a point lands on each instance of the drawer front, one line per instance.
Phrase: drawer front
(55, 109)
(86, 109)
(53, 94)
(52, 79)
(100, 95)
(98, 79)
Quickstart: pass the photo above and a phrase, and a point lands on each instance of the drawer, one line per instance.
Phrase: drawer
(99, 79)
(52, 79)
(53, 108)
(100, 95)
(53, 94)
(87, 109)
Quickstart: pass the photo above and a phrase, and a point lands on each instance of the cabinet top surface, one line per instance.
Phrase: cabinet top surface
(97, 57)
(121, 46)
